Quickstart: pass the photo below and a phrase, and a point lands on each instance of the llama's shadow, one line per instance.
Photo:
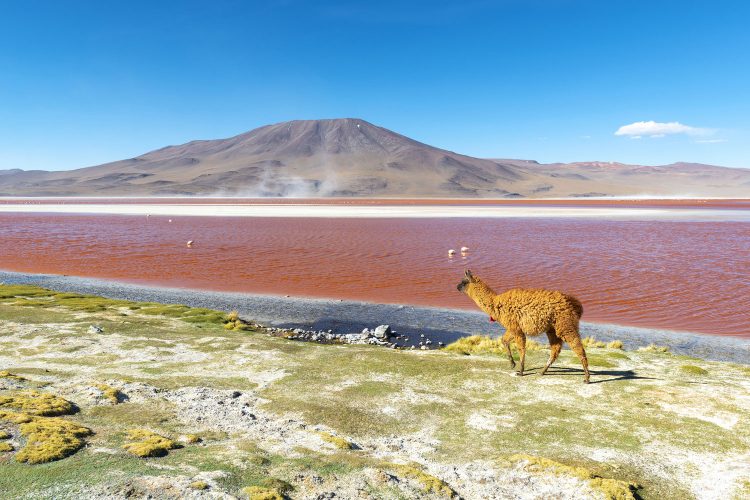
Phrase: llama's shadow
(613, 374)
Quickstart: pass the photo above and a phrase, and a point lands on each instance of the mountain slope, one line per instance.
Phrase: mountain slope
(351, 157)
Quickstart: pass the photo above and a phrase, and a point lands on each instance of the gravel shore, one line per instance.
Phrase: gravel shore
(341, 316)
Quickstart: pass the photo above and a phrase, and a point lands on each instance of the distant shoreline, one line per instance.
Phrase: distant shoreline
(713, 211)
(343, 316)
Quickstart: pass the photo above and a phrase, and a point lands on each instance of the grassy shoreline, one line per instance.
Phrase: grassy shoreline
(301, 419)
(446, 325)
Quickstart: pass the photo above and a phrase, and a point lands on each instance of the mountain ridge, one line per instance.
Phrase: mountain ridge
(352, 157)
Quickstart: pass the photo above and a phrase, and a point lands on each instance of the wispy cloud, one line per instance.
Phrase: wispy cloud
(654, 129)
(710, 141)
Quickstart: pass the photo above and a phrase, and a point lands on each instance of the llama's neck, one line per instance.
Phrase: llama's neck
(482, 295)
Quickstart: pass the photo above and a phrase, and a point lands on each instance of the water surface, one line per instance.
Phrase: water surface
(674, 274)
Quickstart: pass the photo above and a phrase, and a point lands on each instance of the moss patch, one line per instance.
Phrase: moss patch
(693, 370)
(47, 439)
(429, 483)
(613, 489)
(112, 394)
(337, 441)
(261, 493)
(7, 374)
(37, 403)
(145, 443)
(268, 489)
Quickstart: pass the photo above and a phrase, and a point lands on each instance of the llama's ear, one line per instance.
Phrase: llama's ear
(468, 275)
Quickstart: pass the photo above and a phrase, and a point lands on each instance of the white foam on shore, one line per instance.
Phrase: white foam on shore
(383, 211)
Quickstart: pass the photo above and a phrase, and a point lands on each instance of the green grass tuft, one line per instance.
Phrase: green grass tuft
(693, 370)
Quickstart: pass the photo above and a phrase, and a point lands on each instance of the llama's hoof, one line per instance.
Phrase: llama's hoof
(585, 381)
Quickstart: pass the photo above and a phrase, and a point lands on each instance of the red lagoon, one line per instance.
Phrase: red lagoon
(682, 275)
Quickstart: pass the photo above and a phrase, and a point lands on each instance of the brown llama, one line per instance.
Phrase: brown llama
(529, 312)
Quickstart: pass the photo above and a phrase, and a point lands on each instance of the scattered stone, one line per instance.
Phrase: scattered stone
(383, 332)
(96, 329)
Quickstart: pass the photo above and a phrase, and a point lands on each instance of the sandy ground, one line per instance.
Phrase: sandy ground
(384, 211)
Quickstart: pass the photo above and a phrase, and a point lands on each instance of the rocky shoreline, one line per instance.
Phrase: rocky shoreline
(381, 335)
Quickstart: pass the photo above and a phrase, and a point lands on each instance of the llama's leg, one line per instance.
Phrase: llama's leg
(507, 337)
(555, 345)
(521, 344)
(574, 341)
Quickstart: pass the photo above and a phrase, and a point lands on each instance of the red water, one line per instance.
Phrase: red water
(669, 274)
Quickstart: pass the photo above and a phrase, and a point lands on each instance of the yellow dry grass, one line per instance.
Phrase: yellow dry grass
(654, 348)
(478, 344)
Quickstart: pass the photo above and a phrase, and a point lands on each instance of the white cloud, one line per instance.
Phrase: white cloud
(711, 141)
(657, 129)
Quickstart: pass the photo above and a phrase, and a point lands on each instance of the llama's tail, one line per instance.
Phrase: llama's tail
(577, 306)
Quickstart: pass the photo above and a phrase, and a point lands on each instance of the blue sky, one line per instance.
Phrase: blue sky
(84, 82)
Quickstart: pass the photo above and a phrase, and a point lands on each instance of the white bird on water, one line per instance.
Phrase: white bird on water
(190, 243)
(464, 249)
(451, 252)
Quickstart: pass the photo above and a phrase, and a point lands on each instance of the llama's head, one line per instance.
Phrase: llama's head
(468, 278)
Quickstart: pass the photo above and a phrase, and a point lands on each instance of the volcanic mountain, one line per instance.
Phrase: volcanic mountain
(351, 157)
